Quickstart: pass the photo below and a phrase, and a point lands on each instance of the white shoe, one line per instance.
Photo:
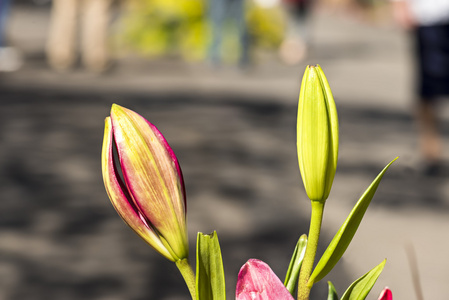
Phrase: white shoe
(292, 51)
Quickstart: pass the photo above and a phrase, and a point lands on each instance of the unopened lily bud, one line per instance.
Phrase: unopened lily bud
(317, 134)
(145, 183)
(386, 294)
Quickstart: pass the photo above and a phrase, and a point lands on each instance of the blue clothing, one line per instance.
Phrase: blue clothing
(221, 11)
(4, 11)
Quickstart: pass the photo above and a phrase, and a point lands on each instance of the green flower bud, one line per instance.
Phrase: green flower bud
(317, 134)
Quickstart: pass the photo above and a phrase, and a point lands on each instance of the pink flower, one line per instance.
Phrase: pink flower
(145, 183)
(256, 281)
(386, 294)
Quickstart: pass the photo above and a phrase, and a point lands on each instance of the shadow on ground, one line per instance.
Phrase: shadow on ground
(61, 239)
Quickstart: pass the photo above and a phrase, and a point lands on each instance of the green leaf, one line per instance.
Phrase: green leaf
(343, 237)
(210, 279)
(332, 292)
(360, 288)
(291, 278)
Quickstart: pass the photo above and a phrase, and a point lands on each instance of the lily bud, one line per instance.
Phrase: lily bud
(317, 134)
(386, 294)
(145, 184)
(256, 281)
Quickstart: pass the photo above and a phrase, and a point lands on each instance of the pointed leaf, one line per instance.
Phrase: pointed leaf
(343, 237)
(210, 279)
(332, 292)
(360, 288)
(291, 278)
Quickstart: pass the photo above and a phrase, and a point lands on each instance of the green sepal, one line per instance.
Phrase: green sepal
(343, 237)
(360, 288)
(332, 295)
(291, 278)
(210, 279)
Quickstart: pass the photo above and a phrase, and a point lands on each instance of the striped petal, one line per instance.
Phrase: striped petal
(120, 198)
(152, 176)
(256, 281)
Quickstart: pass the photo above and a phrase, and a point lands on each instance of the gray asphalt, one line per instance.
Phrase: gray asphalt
(234, 134)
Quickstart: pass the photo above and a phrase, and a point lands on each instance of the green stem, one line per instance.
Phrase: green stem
(188, 275)
(312, 245)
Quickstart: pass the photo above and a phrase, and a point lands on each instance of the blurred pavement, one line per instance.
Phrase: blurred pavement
(234, 134)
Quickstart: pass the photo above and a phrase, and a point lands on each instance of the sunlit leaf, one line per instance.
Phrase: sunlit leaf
(343, 237)
(210, 279)
(332, 292)
(360, 288)
(291, 278)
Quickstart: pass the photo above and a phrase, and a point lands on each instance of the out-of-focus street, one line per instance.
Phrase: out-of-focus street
(234, 134)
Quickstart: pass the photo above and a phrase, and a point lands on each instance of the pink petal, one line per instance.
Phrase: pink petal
(386, 294)
(256, 281)
(170, 151)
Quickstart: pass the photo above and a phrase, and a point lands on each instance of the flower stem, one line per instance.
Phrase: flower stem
(188, 275)
(312, 245)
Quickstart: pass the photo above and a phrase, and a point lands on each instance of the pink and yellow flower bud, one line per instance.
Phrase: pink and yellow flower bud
(145, 183)
(317, 134)
(256, 281)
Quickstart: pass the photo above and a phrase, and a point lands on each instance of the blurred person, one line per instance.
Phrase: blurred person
(221, 11)
(4, 11)
(10, 58)
(428, 20)
(294, 47)
(62, 40)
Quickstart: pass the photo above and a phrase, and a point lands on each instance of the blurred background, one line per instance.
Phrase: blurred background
(223, 90)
